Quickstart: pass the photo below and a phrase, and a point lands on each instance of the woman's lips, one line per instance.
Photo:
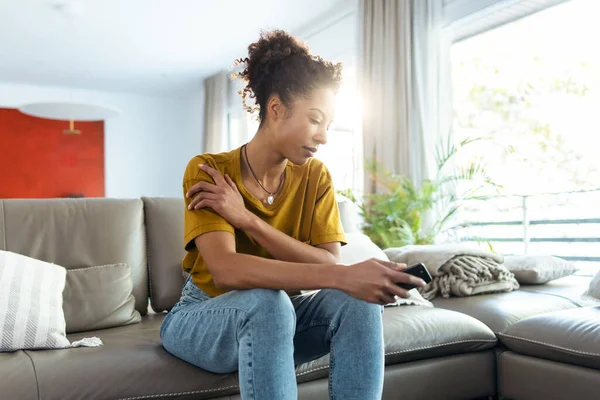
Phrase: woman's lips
(310, 150)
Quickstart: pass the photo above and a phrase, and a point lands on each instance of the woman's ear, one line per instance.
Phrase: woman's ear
(275, 108)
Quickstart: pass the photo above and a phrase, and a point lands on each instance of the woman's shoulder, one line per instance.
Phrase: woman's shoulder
(313, 168)
(218, 161)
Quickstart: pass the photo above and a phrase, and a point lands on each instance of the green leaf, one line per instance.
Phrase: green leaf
(394, 217)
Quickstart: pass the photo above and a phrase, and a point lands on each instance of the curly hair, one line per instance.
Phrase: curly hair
(280, 64)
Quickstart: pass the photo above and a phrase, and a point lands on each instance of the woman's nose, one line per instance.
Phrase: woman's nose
(321, 137)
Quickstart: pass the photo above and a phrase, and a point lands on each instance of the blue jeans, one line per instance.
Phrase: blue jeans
(264, 334)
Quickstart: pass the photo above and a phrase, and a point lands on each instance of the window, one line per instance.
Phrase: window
(531, 88)
(343, 152)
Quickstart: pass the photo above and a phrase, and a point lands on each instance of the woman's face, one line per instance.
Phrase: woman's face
(304, 128)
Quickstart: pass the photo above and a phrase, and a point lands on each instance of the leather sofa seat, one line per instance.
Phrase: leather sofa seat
(569, 287)
(500, 310)
(459, 377)
(568, 336)
(524, 377)
(17, 376)
(415, 333)
(133, 363)
(553, 356)
(130, 364)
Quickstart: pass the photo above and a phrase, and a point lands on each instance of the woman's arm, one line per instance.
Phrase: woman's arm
(286, 248)
(231, 270)
(371, 280)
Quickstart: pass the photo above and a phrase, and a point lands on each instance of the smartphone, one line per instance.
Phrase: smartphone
(420, 271)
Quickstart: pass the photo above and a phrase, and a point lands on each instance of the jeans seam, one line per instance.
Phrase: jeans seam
(312, 324)
(212, 311)
(331, 368)
(331, 360)
(252, 379)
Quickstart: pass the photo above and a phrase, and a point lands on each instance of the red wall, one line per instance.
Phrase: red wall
(38, 160)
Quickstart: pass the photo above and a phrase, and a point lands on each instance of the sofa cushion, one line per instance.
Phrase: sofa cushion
(349, 214)
(523, 377)
(457, 377)
(132, 363)
(535, 270)
(76, 233)
(499, 311)
(17, 377)
(569, 288)
(31, 312)
(417, 333)
(164, 228)
(593, 289)
(360, 248)
(569, 336)
(98, 298)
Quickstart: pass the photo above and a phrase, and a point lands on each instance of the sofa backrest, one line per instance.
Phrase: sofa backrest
(164, 228)
(76, 233)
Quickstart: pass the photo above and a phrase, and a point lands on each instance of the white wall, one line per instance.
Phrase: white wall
(334, 36)
(457, 9)
(146, 147)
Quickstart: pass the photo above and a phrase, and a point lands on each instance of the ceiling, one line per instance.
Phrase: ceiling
(157, 47)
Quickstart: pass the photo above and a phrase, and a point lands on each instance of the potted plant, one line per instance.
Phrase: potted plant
(394, 217)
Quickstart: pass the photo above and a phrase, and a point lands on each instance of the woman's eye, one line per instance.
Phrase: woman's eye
(314, 121)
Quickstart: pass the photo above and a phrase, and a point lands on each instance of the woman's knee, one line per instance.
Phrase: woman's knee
(275, 304)
(353, 306)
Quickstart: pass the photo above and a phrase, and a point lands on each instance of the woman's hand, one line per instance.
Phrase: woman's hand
(375, 281)
(223, 197)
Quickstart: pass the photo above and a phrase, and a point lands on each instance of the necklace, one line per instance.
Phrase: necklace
(271, 197)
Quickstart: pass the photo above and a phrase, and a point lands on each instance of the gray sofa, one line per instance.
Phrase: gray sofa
(534, 343)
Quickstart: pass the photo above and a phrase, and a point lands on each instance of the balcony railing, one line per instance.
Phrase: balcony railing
(565, 225)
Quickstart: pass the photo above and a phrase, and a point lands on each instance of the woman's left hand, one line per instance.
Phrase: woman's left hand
(222, 196)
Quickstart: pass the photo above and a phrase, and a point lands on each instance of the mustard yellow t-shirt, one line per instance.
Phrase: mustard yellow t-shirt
(305, 209)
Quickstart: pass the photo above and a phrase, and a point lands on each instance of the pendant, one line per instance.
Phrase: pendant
(270, 199)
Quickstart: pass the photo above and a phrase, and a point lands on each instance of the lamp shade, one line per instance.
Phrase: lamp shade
(69, 111)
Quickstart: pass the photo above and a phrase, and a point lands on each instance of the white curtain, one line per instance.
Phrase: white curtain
(405, 85)
(215, 113)
(225, 121)
(239, 120)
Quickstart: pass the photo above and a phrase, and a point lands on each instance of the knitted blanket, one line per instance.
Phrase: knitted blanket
(457, 270)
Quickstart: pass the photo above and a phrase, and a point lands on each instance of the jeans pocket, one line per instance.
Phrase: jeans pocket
(191, 292)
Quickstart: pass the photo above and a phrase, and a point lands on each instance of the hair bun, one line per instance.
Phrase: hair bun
(274, 47)
(269, 52)
(280, 63)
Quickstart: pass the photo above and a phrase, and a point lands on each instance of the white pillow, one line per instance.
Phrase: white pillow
(594, 289)
(31, 314)
(360, 248)
(535, 270)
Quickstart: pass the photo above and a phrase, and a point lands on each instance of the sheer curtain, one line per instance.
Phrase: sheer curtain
(225, 121)
(241, 126)
(215, 113)
(405, 85)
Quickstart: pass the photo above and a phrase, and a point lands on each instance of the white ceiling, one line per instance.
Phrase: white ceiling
(160, 47)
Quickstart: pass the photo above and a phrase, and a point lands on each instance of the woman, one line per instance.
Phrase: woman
(261, 224)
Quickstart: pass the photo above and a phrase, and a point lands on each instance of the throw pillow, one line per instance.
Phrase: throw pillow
(536, 270)
(594, 289)
(99, 297)
(31, 314)
(360, 248)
